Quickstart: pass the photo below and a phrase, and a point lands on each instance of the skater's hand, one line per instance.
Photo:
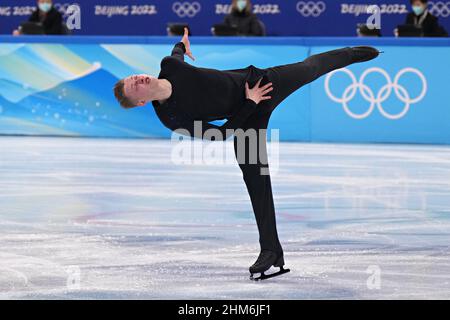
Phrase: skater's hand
(258, 94)
(187, 44)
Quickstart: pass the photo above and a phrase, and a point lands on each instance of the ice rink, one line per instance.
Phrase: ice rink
(107, 219)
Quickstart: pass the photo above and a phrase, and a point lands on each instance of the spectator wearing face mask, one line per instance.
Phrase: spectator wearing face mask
(242, 17)
(46, 14)
(421, 17)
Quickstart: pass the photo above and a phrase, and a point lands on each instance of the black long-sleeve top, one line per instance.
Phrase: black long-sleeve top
(202, 95)
(52, 20)
(246, 24)
(430, 24)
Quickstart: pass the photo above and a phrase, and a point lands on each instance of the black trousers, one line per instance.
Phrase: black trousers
(286, 79)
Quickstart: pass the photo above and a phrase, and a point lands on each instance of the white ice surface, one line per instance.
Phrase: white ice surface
(138, 226)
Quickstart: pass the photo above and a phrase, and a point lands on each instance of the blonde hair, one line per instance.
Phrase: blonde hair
(120, 95)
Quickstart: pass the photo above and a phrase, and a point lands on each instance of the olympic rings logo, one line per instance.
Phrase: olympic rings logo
(186, 9)
(382, 95)
(311, 8)
(439, 9)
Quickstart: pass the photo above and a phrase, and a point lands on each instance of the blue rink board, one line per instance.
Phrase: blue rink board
(62, 86)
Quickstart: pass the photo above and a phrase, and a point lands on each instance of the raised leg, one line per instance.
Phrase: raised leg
(290, 77)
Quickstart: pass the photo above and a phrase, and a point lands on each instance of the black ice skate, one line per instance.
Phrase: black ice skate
(362, 54)
(265, 260)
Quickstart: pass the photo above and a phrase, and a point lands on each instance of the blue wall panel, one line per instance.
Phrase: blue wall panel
(403, 96)
(63, 86)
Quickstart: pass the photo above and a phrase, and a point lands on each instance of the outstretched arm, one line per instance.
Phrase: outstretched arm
(183, 47)
(178, 51)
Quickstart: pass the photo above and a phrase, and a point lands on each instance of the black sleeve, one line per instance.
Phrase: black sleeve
(255, 27)
(433, 27)
(192, 127)
(53, 22)
(34, 16)
(178, 51)
(226, 21)
(409, 18)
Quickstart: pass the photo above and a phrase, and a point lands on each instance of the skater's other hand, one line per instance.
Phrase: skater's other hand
(257, 93)
(187, 44)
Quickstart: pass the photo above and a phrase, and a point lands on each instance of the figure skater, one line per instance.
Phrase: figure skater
(187, 98)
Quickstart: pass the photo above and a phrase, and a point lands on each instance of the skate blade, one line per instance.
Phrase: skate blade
(264, 276)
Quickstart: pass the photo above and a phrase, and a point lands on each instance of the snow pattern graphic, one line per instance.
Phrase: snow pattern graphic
(67, 90)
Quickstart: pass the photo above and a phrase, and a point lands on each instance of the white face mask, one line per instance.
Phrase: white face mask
(241, 5)
(418, 10)
(45, 6)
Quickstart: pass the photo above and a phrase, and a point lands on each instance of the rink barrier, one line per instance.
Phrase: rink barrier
(401, 97)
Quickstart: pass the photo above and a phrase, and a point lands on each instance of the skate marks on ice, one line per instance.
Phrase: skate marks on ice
(122, 263)
(91, 218)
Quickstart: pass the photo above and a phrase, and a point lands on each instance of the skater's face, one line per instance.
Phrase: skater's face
(137, 88)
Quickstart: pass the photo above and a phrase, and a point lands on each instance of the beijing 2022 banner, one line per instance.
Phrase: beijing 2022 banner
(281, 17)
